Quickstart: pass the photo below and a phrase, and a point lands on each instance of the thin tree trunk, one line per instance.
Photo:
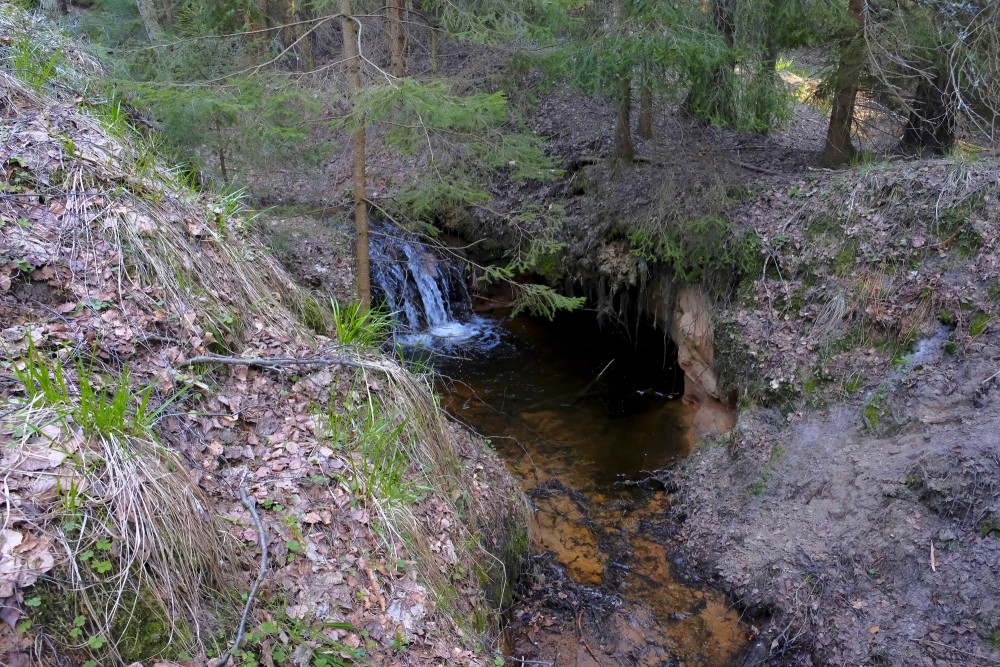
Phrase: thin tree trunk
(646, 112)
(353, 57)
(147, 12)
(222, 153)
(769, 68)
(624, 149)
(931, 125)
(167, 13)
(306, 45)
(839, 148)
(397, 37)
(288, 36)
(434, 26)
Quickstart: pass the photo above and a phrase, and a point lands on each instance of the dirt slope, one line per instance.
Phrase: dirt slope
(832, 529)
(387, 549)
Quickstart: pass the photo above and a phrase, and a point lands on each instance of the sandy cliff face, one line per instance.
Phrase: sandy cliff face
(685, 313)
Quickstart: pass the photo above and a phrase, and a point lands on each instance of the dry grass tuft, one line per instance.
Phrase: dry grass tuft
(132, 538)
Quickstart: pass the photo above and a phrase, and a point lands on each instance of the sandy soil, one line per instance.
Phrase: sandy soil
(867, 550)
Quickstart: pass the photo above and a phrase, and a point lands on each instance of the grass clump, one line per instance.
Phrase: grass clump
(32, 63)
(980, 321)
(360, 328)
(140, 563)
(956, 228)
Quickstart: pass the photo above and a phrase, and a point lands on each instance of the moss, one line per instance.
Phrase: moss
(139, 630)
(979, 323)
(872, 415)
(823, 224)
(957, 228)
(990, 526)
(545, 266)
(993, 292)
(843, 262)
(945, 316)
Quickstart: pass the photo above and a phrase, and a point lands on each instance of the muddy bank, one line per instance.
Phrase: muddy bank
(869, 547)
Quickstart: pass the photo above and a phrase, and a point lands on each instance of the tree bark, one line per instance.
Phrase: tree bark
(168, 13)
(397, 37)
(221, 151)
(931, 125)
(352, 55)
(646, 112)
(150, 20)
(839, 148)
(624, 149)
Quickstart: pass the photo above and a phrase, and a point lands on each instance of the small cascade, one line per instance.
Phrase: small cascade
(426, 292)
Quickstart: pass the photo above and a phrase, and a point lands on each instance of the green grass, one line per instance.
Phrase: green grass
(102, 407)
(980, 321)
(360, 328)
(32, 64)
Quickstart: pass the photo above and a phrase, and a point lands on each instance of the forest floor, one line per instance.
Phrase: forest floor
(134, 527)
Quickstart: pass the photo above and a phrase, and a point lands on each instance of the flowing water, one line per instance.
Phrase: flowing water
(581, 416)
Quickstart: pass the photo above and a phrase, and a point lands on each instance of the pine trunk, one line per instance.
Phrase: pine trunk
(353, 58)
(397, 37)
(306, 45)
(624, 149)
(150, 21)
(646, 113)
(168, 13)
(435, 26)
(931, 125)
(839, 148)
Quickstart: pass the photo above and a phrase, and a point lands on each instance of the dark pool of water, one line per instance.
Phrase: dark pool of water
(581, 410)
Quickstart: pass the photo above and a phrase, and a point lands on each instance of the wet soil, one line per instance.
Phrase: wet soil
(583, 418)
(868, 546)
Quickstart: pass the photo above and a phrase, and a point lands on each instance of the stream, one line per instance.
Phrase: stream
(582, 416)
(579, 416)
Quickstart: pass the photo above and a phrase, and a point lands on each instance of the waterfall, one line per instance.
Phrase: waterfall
(426, 292)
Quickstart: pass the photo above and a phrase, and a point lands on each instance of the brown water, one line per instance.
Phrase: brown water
(577, 415)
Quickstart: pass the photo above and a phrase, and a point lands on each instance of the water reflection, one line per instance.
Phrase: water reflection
(574, 412)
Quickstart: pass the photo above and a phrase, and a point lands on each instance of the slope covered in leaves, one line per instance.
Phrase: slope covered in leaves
(136, 462)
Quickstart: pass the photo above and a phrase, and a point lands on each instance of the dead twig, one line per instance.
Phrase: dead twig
(277, 362)
(753, 167)
(579, 627)
(956, 650)
(262, 536)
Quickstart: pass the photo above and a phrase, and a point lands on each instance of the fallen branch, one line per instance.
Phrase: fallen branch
(980, 656)
(579, 626)
(277, 362)
(753, 167)
(252, 506)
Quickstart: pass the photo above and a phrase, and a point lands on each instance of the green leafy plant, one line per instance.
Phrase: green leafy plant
(360, 328)
(32, 64)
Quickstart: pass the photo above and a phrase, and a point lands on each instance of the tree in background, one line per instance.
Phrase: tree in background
(839, 149)
(352, 61)
(935, 61)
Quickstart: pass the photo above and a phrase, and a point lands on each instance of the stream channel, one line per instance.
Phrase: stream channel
(581, 416)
